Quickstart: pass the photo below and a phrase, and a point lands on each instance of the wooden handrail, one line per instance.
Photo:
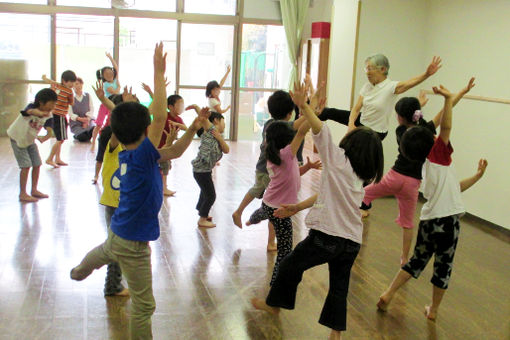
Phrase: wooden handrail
(480, 98)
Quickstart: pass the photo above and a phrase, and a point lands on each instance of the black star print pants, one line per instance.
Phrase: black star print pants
(437, 237)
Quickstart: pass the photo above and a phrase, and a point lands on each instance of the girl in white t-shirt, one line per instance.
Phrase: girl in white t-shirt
(212, 92)
(23, 132)
(334, 220)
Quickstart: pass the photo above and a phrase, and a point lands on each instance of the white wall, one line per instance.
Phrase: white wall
(472, 38)
(341, 58)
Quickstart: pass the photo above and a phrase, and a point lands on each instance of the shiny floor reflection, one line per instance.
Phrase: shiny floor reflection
(203, 279)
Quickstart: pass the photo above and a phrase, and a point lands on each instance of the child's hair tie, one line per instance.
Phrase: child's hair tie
(417, 116)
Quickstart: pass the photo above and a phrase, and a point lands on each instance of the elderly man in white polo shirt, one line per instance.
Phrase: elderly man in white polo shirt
(377, 98)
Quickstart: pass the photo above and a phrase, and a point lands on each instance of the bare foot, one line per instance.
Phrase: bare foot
(27, 198)
(236, 217)
(52, 163)
(403, 260)
(272, 247)
(261, 305)
(364, 213)
(94, 180)
(431, 315)
(168, 192)
(124, 292)
(38, 194)
(204, 223)
(248, 223)
(93, 148)
(61, 162)
(383, 303)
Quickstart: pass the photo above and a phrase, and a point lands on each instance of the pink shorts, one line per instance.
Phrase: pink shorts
(101, 115)
(404, 188)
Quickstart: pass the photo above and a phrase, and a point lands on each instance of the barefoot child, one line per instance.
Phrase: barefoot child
(280, 107)
(404, 179)
(135, 221)
(334, 220)
(65, 98)
(22, 132)
(212, 92)
(212, 147)
(282, 145)
(439, 221)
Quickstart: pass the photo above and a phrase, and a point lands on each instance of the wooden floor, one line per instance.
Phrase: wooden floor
(203, 280)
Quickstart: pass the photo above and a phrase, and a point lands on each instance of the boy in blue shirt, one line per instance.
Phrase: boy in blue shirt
(135, 221)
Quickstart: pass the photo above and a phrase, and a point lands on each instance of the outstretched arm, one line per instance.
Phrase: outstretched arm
(446, 118)
(100, 95)
(158, 108)
(298, 138)
(434, 66)
(309, 165)
(224, 79)
(49, 81)
(468, 182)
(299, 98)
(456, 98)
(178, 148)
(288, 210)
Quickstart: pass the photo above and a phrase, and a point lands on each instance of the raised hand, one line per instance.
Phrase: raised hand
(99, 89)
(108, 55)
(469, 86)
(422, 98)
(298, 95)
(443, 91)
(229, 68)
(286, 210)
(128, 96)
(193, 107)
(482, 165)
(317, 98)
(159, 58)
(313, 165)
(434, 66)
(167, 82)
(203, 115)
(147, 89)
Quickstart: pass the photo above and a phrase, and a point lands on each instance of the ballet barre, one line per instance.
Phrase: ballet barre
(480, 98)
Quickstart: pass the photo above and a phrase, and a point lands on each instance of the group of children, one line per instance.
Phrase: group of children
(135, 150)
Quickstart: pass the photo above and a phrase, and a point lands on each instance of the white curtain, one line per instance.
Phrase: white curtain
(293, 15)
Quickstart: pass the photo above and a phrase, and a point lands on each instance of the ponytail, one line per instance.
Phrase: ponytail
(273, 153)
(278, 135)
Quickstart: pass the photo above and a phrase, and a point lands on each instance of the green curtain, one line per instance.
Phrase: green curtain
(293, 16)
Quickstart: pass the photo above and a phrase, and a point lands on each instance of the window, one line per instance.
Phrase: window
(137, 40)
(88, 3)
(82, 41)
(205, 57)
(264, 65)
(224, 7)
(24, 46)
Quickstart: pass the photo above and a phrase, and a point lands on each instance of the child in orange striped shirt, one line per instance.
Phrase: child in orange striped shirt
(65, 98)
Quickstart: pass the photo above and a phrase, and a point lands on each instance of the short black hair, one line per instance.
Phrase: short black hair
(416, 143)
(44, 96)
(68, 76)
(211, 86)
(280, 104)
(364, 150)
(172, 99)
(406, 107)
(129, 121)
(215, 115)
